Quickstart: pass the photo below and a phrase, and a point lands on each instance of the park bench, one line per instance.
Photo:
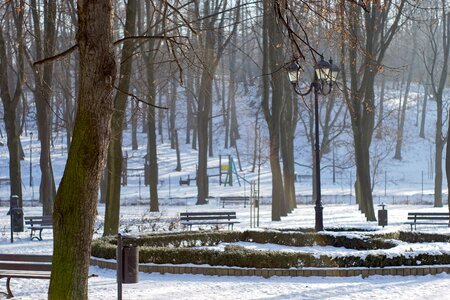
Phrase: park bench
(208, 218)
(24, 266)
(428, 218)
(185, 181)
(234, 200)
(38, 223)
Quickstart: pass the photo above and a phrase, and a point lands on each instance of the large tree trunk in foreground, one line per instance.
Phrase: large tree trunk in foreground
(76, 199)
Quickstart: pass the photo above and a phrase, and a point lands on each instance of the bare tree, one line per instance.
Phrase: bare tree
(436, 60)
(44, 44)
(115, 155)
(11, 81)
(212, 43)
(77, 196)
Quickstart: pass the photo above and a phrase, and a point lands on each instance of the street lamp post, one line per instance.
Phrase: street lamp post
(31, 163)
(325, 75)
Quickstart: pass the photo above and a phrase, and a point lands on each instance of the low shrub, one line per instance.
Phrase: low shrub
(177, 248)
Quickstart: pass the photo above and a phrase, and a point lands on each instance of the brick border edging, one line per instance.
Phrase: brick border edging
(266, 273)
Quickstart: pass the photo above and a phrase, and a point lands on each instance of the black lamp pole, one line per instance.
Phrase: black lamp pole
(318, 208)
(31, 163)
(325, 73)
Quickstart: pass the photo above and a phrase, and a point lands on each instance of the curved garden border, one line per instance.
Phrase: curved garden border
(173, 244)
(266, 273)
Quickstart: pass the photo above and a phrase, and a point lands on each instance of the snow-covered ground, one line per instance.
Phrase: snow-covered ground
(406, 185)
(157, 286)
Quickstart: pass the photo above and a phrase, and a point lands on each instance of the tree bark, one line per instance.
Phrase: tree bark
(43, 91)
(151, 112)
(11, 97)
(401, 125)
(134, 125)
(272, 65)
(115, 155)
(424, 112)
(77, 196)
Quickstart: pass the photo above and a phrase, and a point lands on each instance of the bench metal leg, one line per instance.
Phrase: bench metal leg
(8, 288)
(35, 236)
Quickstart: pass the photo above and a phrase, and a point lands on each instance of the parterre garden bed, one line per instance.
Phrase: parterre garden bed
(181, 248)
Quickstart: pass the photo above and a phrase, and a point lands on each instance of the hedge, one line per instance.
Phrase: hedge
(177, 248)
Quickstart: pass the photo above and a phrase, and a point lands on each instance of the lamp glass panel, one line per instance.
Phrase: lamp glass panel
(323, 73)
(293, 76)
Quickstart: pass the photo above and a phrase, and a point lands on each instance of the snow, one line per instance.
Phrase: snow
(156, 286)
(167, 286)
(405, 185)
(407, 249)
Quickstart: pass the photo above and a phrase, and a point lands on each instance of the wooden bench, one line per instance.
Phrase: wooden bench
(38, 223)
(234, 200)
(24, 266)
(185, 182)
(208, 218)
(428, 218)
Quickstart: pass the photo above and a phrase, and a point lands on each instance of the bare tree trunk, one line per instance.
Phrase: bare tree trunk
(11, 96)
(177, 147)
(115, 156)
(172, 112)
(43, 91)
(424, 112)
(189, 110)
(160, 119)
(202, 129)
(213, 48)
(134, 119)
(379, 133)
(288, 123)
(210, 132)
(77, 196)
(152, 154)
(272, 65)
(401, 125)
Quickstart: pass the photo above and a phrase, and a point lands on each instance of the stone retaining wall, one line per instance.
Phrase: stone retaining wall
(266, 273)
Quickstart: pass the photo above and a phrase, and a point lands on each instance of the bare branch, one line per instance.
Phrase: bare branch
(56, 57)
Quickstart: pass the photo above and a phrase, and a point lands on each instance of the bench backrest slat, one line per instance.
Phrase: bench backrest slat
(25, 266)
(428, 214)
(203, 216)
(429, 218)
(199, 218)
(25, 257)
(39, 220)
(220, 213)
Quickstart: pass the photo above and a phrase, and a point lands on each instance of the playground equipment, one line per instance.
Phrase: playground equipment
(228, 169)
(225, 168)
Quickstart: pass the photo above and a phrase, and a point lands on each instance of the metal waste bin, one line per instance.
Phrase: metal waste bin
(127, 263)
(382, 216)
(130, 266)
(16, 213)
